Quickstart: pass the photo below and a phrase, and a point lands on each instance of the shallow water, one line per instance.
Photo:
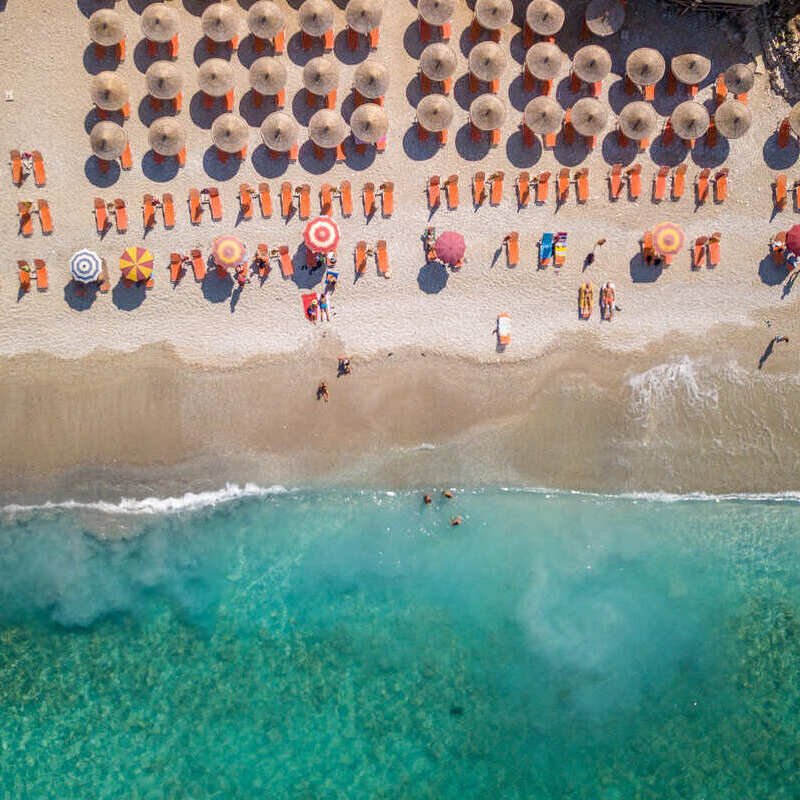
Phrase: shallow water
(340, 646)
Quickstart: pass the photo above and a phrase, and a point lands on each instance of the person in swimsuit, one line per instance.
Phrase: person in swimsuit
(323, 308)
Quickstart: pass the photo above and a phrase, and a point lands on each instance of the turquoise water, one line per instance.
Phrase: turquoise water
(357, 646)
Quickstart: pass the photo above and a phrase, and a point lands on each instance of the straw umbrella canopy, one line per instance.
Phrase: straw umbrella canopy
(487, 61)
(230, 133)
(794, 118)
(436, 12)
(316, 17)
(280, 132)
(689, 120)
(589, 116)
(438, 61)
(591, 63)
(369, 122)
(268, 75)
(544, 17)
(220, 22)
(327, 128)
(163, 80)
(645, 66)
(159, 22)
(637, 120)
(544, 60)
(543, 115)
(166, 136)
(105, 27)
(265, 19)
(215, 77)
(690, 68)
(494, 14)
(605, 17)
(739, 78)
(109, 91)
(371, 79)
(487, 112)
(108, 140)
(364, 15)
(320, 75)
(733, 119)
(435, 112)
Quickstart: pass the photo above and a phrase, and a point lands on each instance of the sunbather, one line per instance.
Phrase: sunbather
(313, 310)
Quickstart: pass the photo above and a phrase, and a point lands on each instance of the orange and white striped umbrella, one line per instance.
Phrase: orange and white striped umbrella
(321, 235)
(668, 238)
(136, 264)
(229, 251)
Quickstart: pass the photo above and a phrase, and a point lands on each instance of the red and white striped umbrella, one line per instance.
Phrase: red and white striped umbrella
(321, 235)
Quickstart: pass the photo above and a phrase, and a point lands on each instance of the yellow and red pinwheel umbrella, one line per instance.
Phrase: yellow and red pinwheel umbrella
(668, 238)
(136, 264)
(229, 252)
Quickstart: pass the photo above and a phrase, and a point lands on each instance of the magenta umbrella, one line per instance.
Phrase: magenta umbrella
(793, 239)
(450, 247)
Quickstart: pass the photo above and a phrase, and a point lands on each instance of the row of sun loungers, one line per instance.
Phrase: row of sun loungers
(26, 210)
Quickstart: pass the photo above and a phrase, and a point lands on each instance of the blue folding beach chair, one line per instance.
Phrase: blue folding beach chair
(546, 250)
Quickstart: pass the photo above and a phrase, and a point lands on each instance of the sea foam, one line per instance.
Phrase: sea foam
(667, 382)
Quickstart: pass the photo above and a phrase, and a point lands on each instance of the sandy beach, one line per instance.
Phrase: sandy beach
(182, 387)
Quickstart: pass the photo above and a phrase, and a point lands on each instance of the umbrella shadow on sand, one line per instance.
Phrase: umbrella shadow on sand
(433, 277)
(772, 274)
(80, 296)
(780, 157)
(265, 165)
(642, 272)
(97, 177)
(304, 277)
(128, 298)
(220, 170)
(217, 288)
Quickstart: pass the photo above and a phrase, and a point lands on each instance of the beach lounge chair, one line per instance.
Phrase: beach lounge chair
(678, 181)
(784, 133)
(660, 184)
(648, 251)
(368, 197)
(503, 329)
(635, 182)
(451, 190)
(262, 251)
(777, 247)
(478, 188)
(387, 199)
(496, 195)
(494, 137)
(582, 184)
(615, 181)
(701, 186)
(195, 207)
(699, 252)
(523, 189)
(148, 212)
(721, 185)
(41, 274)
(16, 168)
(246, 200)
(780, 192)
(560, 249)
(310, 306)
(433, 192)
(512, 248)
(24, 273)
(567, 129)
(720, 89)
(198, 265)
(45, 217)
(326, 199)
(120, 215)
(126, 159)
(303, 201)
(546, 250)
(25, 221)
(215, 203)
(287, 270)
(796, 193)
(585, 300)
(711, 133)
(542, 187)
(287, 199)
(549, 140)
(39, 175)
(714, 249)
(175, 267)
(382, 258)
(563, 185)
(361, 258)
(168, 210)
(265, 200)
(100, 215)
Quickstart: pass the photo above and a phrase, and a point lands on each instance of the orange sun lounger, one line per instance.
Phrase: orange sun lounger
(120, 215)
(195, 207)
(215, 203)
(148, 212)
(523, 189)
(287, 199)
(100, 215)
(648, 250)
(168, 210)
(678, 181)
(265, 200)
(45, 217)
(615, 181)
(287, 269)
(699, 252)
(451, 190)
(246, 200)
(660, 184)
(780, 192)
(433, 192)
(635, 182)
(387, 199)
(542, 187)
(368, 196)
(41, 274)
(39, 175)
(714, 249)
(701, 187)
(24, 272)
(721, 185)
(346, 198)
(16, 168)
(326, 200)
(25, 221)
(512, 248)
(361, 258)
(478, 188)
(382, 258)
(263, 253)
(563, 185)
(198, 265)
(582, 184)
(175, 267)
(496, 196)
(304, 201)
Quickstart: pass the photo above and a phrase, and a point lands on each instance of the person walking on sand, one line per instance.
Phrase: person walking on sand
(322, 391)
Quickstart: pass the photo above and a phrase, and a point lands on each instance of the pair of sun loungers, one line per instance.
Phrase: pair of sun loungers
(781, 193)
(553, 249)
(37, 273)
(26, 210)
(18, 173)
(479, 193)
(706, 251)
(381, 254)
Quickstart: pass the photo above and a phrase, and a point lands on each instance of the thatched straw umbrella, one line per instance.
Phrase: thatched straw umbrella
(371, 79)
(645, 66)
(316, 17)
(637, 120)
(167, 136)
(435, 112)
(487, 61)
(605, 17)
(544, 17)
(493, 14)
(544, 60)
(321, 75)
(327, 128)
(163, 80)
(739, 78)
(159, 22)
(369, 123)
(268, 75)
(690, 68)
(589, 116)
(794, 118)
(487, 112)
(438, 61)
(109, 91)
(220, 22)
(265, 19)
(108, 140)
(436, 12)
(591, 63)
(230, 133)
(733, 119)
(215, 77)
(543, 115)
(364, 15)
(280, 132)
(689, 120)
(105, 27)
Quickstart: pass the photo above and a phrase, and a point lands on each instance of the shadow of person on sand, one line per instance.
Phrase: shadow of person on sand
(769, 348)
(789, 285)
(433, 277)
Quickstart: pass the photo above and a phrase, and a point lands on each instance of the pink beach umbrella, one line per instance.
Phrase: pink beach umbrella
(321, 235)
(793, 240)
(450, 248)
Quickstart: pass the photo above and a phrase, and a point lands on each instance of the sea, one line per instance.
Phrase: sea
(264, 643)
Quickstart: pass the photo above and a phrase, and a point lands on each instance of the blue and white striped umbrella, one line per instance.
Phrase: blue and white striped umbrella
(85, 266)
